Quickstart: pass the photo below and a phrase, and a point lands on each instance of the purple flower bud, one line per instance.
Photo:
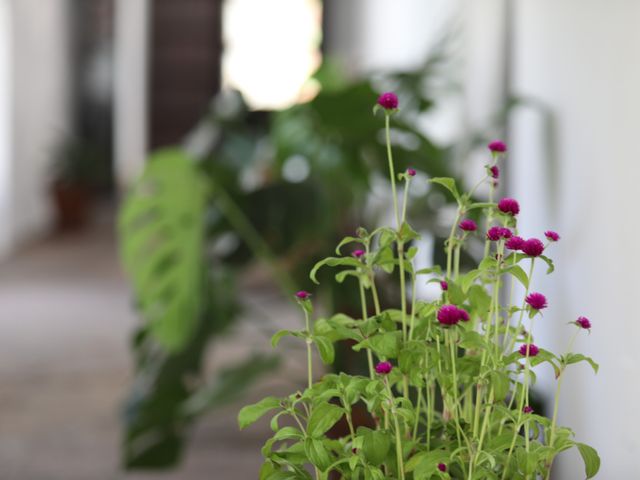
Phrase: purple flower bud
(468, 225)
(383, 368)
(527, 408)
(514, 243)
(533, 247)
(411, 172)
(583, 322)
(464, 315)
(303, 295)
(497, 146)
(444, 285)
(495, 171)
(509, 206)
(552, 236)
(357, 253)
(442, 467)
(530, 348)
(537, 301)
(388, 101)
(449, 315)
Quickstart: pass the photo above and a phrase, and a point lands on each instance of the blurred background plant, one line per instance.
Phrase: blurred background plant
(280, 188)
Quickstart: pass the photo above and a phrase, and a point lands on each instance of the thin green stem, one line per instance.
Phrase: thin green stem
(556, 402)
(405, 199)
(392, 408)
(309, 353)
(392, 173)
(363, 304)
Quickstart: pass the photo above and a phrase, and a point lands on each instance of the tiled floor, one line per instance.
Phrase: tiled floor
(65, 320)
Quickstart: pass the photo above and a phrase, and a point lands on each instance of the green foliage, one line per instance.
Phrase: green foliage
(162, 230)
(449, 397)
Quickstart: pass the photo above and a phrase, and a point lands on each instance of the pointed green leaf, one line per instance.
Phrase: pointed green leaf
(323, 417)
(252, 413)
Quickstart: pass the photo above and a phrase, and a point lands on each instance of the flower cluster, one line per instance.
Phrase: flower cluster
(448, 386)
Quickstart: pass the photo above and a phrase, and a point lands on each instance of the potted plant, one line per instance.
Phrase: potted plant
(78, 170)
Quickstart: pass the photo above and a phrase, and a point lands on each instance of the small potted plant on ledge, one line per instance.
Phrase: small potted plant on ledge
(449, 381)
(78, 170)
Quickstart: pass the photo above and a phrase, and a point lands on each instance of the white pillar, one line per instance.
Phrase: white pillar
(131, 81)
(40, 69)
(5, 127)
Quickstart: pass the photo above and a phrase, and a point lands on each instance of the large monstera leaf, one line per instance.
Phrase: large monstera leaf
(162, 236)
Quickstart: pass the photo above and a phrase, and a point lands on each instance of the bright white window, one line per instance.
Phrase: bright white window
(270, 49)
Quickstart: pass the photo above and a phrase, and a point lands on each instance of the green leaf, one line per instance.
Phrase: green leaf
(456, 295)
(479, 298)
(375, 446)
(279, 335)
(385, 344)
(578, 357)
(519, 273)
(468, 278)
(333, 262)
(590, 458)
(480, 205)
(323, 417)
(549, 262)
(252, 413)
(407, 233)
(426, 463)
(286, 433)
(385, 259)
(500, 383)
(436, 270)
(318, 453)
(325, 347)
(449, 184)
(345, 241)
(161, 229)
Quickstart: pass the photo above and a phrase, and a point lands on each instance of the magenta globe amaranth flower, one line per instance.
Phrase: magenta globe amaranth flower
(444, 285)
(468, 225)
(509, 206)
(552, 236)
(451, 315)
(442, 467)
(494, 171)
(514, 243)
(411, 172)
(448, 315)
(496, 233)
(533, 247)
(358, 253)
(497, 146)
(388, 101)
(583, 322)
(527, 409)
(537, 301)
(303, 295)
(529, 350)
(384, 368)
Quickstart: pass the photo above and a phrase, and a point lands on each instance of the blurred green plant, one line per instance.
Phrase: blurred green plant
(282, 188)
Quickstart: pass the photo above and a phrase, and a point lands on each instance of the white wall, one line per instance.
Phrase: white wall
(580, 58)
(40, 108)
